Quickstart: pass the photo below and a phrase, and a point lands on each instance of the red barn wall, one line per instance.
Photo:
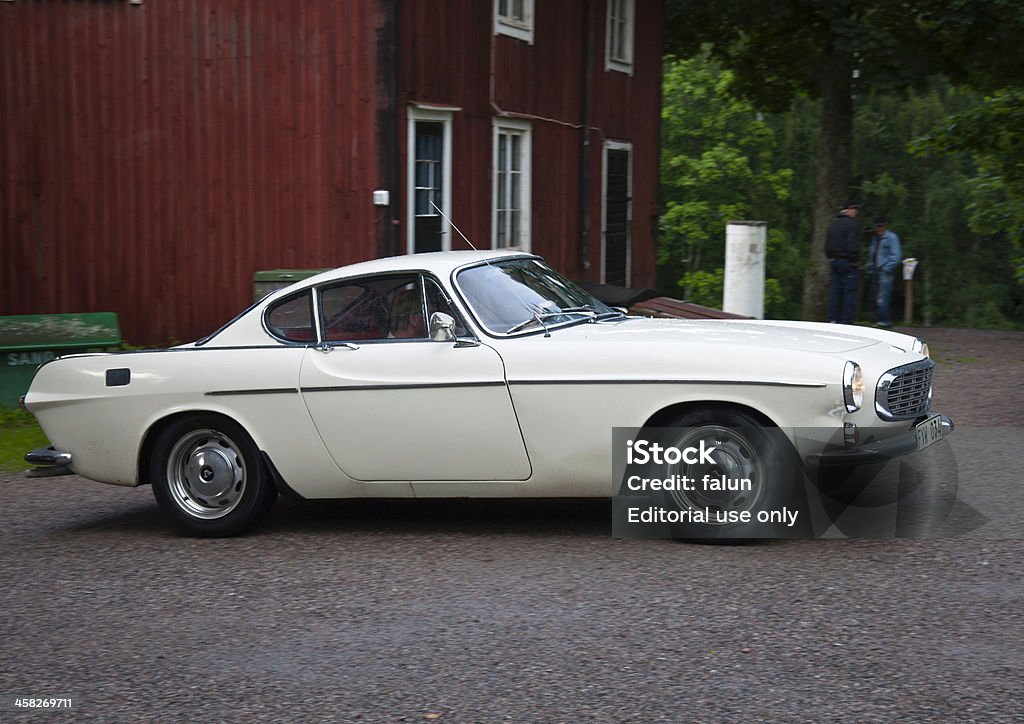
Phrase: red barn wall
(448, 55)
(154, 156)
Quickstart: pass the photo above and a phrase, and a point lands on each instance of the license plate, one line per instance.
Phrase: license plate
(929, 431)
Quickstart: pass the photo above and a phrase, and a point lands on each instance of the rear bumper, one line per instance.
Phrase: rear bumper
(875, 452)
(48, 456)
(49, 462)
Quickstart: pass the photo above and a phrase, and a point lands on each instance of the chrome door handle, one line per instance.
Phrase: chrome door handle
(327, 348)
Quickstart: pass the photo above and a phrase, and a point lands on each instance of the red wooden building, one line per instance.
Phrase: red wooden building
(156, 153)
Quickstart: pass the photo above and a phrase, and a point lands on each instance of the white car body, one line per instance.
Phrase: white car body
(519, 414)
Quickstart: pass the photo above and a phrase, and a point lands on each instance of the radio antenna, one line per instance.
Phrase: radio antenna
(502, 276)
(452, 224)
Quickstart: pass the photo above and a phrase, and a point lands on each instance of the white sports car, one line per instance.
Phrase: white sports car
(466, 374)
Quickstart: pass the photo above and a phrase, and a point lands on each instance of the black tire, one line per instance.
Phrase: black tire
(746, 449)
(207, 474)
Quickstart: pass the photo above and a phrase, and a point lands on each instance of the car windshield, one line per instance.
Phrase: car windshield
(525, 295)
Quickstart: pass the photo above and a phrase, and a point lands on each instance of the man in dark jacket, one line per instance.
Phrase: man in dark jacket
(842, 247)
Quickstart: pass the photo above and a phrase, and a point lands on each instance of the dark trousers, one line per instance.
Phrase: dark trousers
(842, 291)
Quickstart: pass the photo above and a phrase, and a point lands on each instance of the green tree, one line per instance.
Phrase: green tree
(993, 133)
(961, 279)
(716, 166)
(831, 50)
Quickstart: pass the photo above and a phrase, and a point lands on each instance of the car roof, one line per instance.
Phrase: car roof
(441, 263)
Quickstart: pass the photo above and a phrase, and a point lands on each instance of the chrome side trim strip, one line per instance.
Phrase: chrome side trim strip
(272, 391)
(417, 386)
(758, 383)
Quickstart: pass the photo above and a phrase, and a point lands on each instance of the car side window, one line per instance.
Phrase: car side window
(377, 308)
(437, 301)
(407, 320)
(291, 319)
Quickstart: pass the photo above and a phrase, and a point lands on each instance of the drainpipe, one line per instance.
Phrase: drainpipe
(584, 250)
(387, 127)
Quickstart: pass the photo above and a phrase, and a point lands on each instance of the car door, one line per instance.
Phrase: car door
(392, 404)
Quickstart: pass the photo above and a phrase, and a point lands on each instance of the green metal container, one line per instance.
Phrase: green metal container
(270, 280)
(28, 340)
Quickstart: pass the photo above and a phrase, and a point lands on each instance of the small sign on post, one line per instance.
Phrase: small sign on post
(909, 266)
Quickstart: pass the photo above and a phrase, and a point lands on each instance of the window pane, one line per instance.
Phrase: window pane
(405, 312)
(502, 240)
(511, 189)
(383, 308)
(438, 302)
(292, 319)
(620, 25)
(504, 294)
(517, 164)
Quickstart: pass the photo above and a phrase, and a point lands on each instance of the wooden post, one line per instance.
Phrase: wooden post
(909, 267)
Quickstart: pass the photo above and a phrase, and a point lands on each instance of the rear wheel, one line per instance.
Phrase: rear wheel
(207, 474)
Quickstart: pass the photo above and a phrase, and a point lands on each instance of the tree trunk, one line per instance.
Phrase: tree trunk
(834, 164)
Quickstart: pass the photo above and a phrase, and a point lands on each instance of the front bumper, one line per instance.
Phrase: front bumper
(874, 452)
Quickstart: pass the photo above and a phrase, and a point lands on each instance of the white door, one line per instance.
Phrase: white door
(392, 404)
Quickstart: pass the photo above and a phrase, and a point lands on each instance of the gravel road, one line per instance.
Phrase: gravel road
(489, 611)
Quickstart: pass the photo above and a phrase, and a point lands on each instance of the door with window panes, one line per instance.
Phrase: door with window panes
(617, 215)
(428, 187)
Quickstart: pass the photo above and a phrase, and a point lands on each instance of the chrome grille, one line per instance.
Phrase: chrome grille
(905, 392)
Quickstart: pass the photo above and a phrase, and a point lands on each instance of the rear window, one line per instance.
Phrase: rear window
(291, 319)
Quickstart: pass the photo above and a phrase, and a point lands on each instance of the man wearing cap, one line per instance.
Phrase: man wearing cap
(842, 247)
(883, 261)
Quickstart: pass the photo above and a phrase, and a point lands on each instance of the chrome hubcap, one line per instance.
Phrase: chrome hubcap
(207, 474)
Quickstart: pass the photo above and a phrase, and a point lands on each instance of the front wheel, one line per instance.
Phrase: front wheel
(207, 474)
(746, 486)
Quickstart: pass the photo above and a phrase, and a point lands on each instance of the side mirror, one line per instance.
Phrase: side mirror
(442, 327)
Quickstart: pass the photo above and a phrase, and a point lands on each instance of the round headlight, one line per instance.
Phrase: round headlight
(853, 386)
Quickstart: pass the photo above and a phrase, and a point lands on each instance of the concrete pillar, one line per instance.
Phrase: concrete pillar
(745, 248)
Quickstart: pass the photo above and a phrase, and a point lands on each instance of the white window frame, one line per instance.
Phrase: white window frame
(524, 130)
(623, 61)
(617, 146)
(430, 114)
(514, 27)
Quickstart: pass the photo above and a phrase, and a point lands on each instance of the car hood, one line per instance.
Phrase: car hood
(800, 336)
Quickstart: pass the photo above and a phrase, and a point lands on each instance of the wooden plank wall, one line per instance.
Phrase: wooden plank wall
(154, 156)
(449, 56)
